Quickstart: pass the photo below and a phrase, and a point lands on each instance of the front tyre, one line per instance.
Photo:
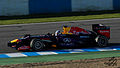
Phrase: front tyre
(37, 45)
(101, 41)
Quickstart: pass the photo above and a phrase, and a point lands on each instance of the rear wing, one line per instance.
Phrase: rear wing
(101, 29)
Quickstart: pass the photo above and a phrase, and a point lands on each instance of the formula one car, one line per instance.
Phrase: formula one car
(70, 37)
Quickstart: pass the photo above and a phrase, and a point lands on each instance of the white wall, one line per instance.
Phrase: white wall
(14, 7)
(88, 5)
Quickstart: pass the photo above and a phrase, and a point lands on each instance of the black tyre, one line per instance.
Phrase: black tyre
(101, 41)
(37, 45)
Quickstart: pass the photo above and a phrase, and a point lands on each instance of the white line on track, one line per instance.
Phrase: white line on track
(46, 53)
(16, 55)
(61, 22)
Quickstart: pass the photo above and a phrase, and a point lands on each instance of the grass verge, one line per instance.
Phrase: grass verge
(58, 17)
(60, 57)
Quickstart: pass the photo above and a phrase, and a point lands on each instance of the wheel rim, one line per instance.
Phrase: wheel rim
(102, 42)
(38, 45)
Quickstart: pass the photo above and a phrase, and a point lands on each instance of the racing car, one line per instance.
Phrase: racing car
(70, 37)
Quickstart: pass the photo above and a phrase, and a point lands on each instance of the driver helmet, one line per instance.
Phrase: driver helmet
(66, 29)
(57, 32)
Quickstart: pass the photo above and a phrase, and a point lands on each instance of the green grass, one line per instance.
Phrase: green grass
(58, 17)
(60, 57)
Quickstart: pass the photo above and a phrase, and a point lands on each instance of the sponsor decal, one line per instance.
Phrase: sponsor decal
(84, 36)
(24, 48)
(105, 31)
(67, 44)
(67, 40)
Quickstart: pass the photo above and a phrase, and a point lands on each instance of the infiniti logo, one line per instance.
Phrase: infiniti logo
(67, 40)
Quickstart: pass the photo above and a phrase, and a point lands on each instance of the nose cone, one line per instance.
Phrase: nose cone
(16, 40)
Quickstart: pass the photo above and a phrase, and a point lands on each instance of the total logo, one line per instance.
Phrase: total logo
(104, 31)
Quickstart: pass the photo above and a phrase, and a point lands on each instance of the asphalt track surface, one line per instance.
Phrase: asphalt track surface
(10, 32)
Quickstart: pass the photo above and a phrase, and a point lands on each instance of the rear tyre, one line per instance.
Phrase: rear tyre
(101, 41)
(37, 45)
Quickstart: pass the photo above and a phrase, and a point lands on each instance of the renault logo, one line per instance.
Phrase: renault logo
(67, 40)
